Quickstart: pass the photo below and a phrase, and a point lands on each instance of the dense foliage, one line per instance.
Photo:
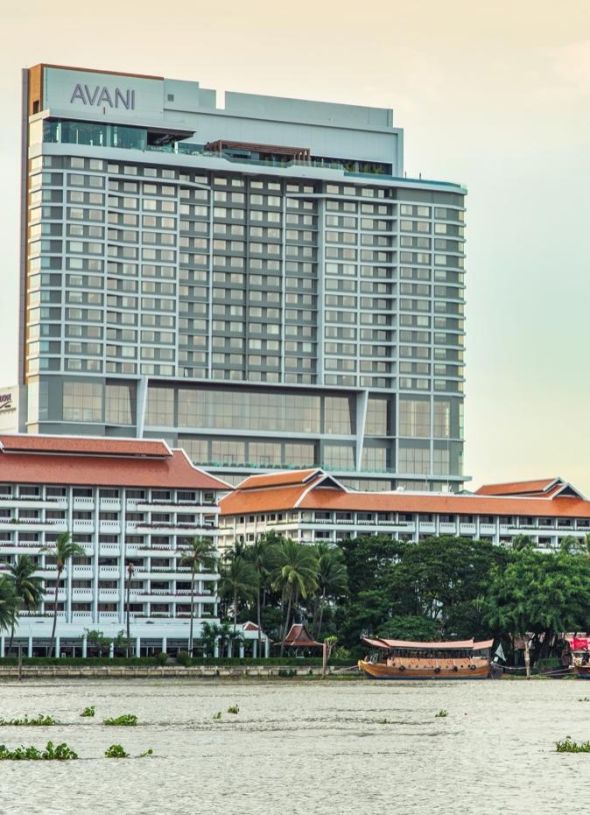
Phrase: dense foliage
(438, 588)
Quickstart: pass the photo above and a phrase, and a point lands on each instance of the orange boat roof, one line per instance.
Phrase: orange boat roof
(448, 645)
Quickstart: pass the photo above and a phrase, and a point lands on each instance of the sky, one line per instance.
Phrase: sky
(495, 95)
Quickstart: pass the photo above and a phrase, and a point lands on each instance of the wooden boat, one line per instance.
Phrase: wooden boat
(403, 659)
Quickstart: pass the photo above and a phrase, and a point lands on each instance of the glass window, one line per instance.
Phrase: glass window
(414, 418)
(160, 407)
(82, 402)
(120, 404)
(376, 421)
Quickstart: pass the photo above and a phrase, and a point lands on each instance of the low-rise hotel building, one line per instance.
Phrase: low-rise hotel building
(311, 506)
(124, 502)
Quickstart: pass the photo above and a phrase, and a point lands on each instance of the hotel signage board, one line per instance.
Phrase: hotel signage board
(116, 96)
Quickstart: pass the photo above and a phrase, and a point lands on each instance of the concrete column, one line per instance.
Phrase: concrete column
(84, 646)
(30, 647)
(266, 648)
(2, 643)
(111, 650)
(255, 649)
(164, 645)
(215, 648)
(57, 651)
(137, 646)
(241, 650)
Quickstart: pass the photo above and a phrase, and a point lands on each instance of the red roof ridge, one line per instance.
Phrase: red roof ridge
(282, 478)
(516, 487)
(83, 445)
(201, 471)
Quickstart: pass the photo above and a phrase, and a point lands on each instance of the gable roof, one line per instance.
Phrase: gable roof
(280, 479)
(323, 492)
(299, 637)
(100, 462)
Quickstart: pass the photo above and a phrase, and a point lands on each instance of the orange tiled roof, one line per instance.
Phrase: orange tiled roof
(518, 487)
(83, 445)
(100, 462)
(291, 477)
(313, 495)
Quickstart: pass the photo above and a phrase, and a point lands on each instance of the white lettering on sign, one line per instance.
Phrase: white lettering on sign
(101, 96)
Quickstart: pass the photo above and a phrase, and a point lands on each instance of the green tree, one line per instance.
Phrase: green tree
(260, 555)
(8, 603)
(332, 581)
(199, 552)
(539, 593)
(295, 575)
(408, 627)
(63, 550)
(443, 579)
(238, 582)
(28, 589)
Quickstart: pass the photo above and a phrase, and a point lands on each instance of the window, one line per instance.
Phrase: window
(414, 418)
(82, 402)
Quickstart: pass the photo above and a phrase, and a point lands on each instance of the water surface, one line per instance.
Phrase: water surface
(301, 747)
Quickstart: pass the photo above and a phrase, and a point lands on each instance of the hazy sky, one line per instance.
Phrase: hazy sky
(495, 95)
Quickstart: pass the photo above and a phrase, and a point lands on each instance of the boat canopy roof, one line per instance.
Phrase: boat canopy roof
(451, 645)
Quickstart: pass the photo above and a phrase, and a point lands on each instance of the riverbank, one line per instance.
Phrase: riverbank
(11, 672)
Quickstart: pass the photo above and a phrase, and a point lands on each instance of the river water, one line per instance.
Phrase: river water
(301, 747)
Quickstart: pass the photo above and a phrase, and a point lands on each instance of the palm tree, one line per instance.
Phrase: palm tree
(200, 551)
(65, 548)
(295, 575)
(332, 579)
(260, 555)
(8, 603)
(28, 589)
(238, 581)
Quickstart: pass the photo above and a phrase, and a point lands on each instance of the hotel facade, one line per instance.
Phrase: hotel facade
(125, 502)
(256, 282)
(312, 506)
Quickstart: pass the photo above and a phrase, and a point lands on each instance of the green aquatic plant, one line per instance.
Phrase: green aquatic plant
(570, 746)
(233, 709)
(116, 751)
(59, 752)
(88, 712)
(442, 714)
(146, 753)
(38, 721)
(383, 721)
(217, 716)
(584, 699)
(126, 720)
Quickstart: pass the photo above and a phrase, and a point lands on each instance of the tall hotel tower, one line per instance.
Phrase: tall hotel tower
(255, 281)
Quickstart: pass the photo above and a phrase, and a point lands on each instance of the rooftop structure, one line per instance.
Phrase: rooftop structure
(312, 505)
(256, 281)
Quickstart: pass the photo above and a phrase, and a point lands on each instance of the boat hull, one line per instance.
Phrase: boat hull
(379, 670)
(582, 671)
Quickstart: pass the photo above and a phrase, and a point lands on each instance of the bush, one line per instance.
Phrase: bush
(126, 720)
(570, 746)
(38, 721)
(116, 751)
(60, 752)
(184, 658)
(88, 712)
(162, 658)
